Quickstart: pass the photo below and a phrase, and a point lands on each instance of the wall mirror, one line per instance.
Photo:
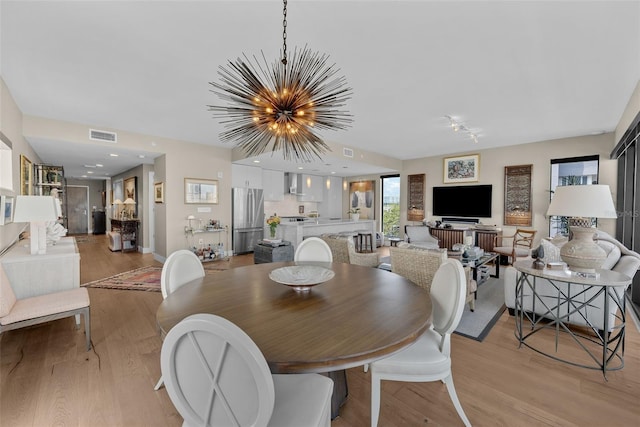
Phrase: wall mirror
(200, 191)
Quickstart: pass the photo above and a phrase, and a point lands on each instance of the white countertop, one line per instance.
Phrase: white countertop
(323, 222)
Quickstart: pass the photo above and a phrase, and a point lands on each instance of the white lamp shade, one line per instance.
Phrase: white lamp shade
(129, 201)
(35, 208)
(586, 201)
(117, 202)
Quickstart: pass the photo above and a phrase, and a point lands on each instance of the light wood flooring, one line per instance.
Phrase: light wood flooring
(47, 377)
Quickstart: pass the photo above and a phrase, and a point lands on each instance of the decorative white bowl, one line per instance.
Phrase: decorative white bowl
(301, 277)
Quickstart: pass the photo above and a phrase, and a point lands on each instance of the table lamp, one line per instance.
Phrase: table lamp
(581, 253)
(128, 205)
(36, 210)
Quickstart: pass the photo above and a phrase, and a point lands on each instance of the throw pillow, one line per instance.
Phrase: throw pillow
(551, 252)
(613, 254)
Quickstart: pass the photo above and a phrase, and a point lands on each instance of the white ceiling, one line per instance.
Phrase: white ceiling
(512, 71)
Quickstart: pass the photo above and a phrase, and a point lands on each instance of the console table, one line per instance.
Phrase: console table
(33, 275)
(575, 294)
(450, 236)
(128, 229)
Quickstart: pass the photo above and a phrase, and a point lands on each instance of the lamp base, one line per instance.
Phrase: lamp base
(582, 253)
(38, 237)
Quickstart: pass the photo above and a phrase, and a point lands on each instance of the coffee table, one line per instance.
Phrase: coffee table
(487, 258)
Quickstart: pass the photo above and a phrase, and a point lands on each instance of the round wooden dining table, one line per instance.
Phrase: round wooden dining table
(360, 315)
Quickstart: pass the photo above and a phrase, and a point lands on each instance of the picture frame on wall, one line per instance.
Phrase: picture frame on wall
(6, 209)
(362, 199)
(517, 195)
(462, 169)
(200, 191)
(26, 176)
(158, 192)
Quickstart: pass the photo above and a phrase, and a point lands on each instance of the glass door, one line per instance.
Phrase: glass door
(390, 205)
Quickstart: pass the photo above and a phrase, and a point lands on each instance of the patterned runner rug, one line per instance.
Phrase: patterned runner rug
(145, 278)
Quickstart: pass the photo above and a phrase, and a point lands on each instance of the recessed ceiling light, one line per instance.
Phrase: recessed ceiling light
(300, 167)
(113, 155)
(89, 166)
(332, 172)
(89, 171)
(256, 161)
(141, 156)
(98, 165)
(83, 176)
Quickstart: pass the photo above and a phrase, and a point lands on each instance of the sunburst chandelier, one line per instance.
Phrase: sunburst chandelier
(281, 107)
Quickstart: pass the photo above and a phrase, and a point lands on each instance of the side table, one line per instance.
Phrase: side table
(604, 350)
(268, 252)
(393, 241)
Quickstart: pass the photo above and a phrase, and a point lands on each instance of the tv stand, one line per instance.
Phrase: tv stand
(450, 236)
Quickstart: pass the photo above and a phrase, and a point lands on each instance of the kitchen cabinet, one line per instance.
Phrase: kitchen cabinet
(331, 206)
(246, 176)
(311, 188)
(273, 185)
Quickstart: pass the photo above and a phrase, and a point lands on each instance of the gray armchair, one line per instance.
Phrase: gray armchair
(419, 236)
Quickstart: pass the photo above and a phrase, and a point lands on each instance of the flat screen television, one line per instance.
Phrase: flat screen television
(472, 201)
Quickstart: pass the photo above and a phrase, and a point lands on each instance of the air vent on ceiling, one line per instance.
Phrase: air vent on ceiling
(347, 152)
(103, 135)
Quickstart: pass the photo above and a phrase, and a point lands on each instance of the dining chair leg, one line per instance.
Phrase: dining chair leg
(375, 399)
(454, 398)
(160, 383)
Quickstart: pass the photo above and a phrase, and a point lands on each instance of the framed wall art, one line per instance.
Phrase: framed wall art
(200, 191)
(517, 195)
(158, 192)
(6, 209)
(415, 194)
(362, 198)
(26, 176)
(462, 169)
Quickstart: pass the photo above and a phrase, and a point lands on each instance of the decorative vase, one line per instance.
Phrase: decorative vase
(581, 253)
(272, 232)
(355, 216)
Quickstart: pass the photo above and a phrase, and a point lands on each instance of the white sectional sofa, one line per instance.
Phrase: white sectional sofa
(619, 259)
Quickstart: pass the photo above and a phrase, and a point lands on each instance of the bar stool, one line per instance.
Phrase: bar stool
(365, 241)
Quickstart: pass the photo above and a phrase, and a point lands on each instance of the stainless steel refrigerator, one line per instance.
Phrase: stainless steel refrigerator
(248, 219)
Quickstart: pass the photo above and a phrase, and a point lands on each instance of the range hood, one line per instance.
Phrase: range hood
(293, 183)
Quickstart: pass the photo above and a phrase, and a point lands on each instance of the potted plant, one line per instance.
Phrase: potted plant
(273, 222)
(354, 213)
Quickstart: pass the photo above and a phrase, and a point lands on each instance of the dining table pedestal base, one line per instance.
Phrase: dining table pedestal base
(340, 391)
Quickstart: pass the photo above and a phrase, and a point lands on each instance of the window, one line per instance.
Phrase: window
(390, 205)
(570, 171)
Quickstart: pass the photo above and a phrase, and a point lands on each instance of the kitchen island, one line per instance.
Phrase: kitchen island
(295, 232)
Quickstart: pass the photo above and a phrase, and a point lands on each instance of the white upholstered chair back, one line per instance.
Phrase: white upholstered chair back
(313, 249)
(216, 375)
(180, 267)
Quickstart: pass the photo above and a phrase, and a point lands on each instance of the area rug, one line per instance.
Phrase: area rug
(489, 307)
(145, 278)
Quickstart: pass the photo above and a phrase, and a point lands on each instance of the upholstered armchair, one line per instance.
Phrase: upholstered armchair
(520, 245)
(420, 265)
(418, 235)
(343, 250)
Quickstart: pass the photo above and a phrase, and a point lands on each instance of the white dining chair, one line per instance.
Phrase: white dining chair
(429, 358)
(180, 267)
(313, 249)
(216, 375)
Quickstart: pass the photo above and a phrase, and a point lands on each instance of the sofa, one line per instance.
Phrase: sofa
(619, 259)
(419, 236)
